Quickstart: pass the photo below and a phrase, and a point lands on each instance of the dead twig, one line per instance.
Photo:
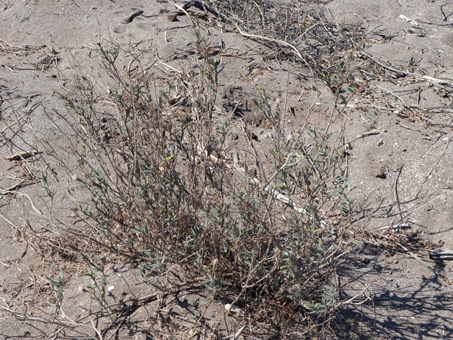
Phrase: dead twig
(366, 134)
(203, 6)
(413, 256)
(435, 81)
(131, 17)
(19, 185)
(275, 41)
(22, 155)
(441, 254)
(397, 194)
(396, 226)
(438, 81)
(39, 212)
(399, 72)
(237, 334)
(26, 317)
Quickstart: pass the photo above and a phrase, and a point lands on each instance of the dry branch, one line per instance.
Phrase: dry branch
(22, 155)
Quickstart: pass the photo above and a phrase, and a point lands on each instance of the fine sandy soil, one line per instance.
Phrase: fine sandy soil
(397, 131)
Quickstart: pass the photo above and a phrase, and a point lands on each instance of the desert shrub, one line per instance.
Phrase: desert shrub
(166, 188)
(161, 185)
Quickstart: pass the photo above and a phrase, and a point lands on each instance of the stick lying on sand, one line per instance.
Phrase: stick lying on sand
(22, 155)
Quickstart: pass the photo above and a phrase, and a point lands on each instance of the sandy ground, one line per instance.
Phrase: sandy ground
(400, 173)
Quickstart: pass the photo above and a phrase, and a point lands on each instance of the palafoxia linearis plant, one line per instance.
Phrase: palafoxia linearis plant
(158, 162)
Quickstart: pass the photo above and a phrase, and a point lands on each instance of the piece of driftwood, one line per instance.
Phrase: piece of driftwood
(22, 155)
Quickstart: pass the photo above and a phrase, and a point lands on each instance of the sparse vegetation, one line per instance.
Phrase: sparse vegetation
(172, 183)
(165, 191)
